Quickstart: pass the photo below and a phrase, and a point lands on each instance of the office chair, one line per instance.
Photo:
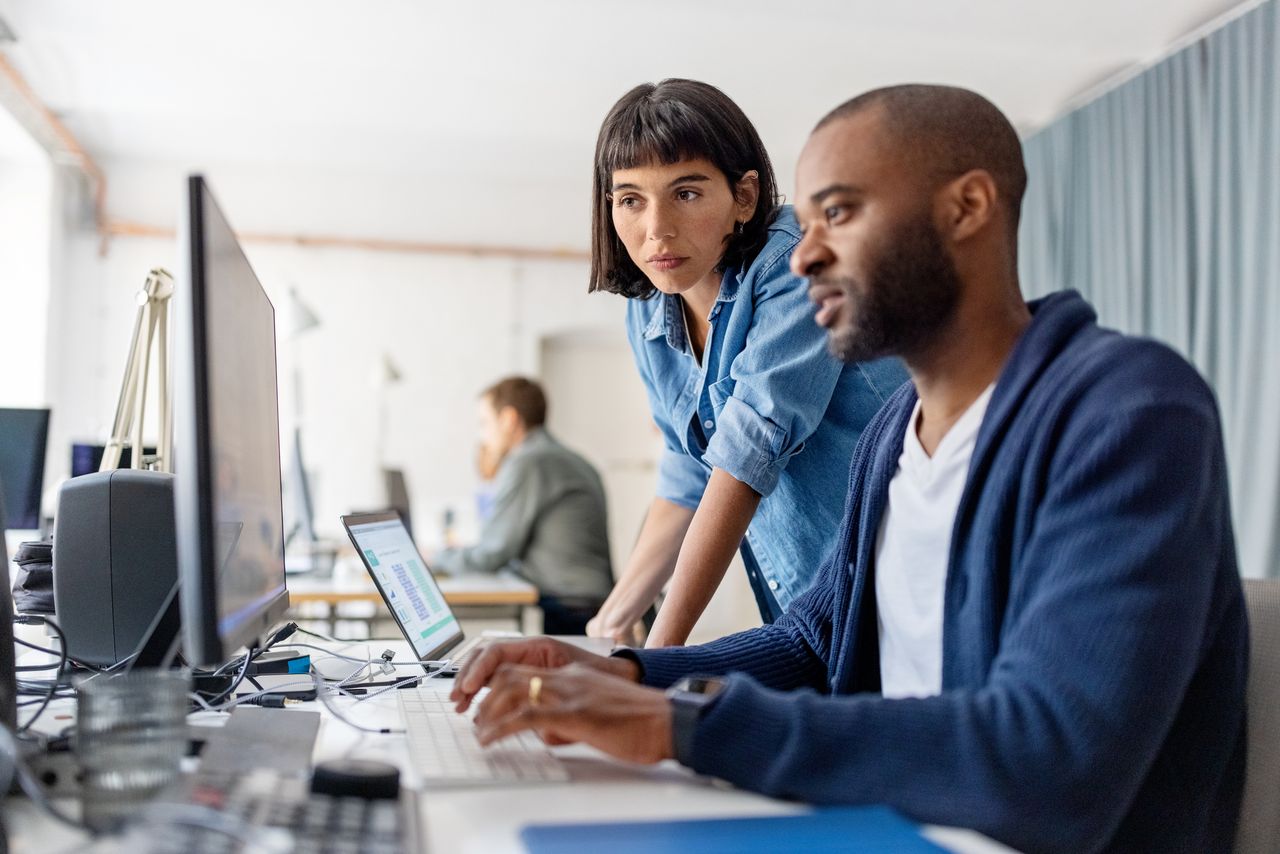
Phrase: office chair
(1259, 828)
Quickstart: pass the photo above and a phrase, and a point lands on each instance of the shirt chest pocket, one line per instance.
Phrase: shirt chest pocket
(720, 391)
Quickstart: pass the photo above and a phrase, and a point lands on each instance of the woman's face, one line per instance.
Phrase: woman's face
(674, 219)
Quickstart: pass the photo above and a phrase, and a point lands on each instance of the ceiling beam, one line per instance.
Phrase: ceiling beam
(49, 131)
(123, 228)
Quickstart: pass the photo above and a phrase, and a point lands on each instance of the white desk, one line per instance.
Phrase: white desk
(488, 820)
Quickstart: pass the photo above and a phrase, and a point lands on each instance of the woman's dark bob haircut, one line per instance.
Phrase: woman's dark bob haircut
(673, 121)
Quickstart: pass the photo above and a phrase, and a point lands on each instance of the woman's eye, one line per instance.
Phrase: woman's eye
(627, 202)
(686, 195)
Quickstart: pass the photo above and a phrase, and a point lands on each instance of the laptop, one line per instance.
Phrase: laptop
(443, 750)
(407, 586)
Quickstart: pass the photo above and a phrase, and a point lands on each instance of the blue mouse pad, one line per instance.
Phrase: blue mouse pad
(846, 829)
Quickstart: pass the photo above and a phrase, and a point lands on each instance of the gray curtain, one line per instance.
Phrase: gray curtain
(1160, 202)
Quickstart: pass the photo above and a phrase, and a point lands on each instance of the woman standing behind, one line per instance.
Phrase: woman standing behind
(758, 420)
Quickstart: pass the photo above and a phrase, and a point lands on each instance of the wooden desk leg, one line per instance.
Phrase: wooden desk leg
(531, 620)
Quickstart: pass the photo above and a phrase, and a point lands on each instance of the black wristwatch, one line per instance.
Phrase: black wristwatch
(690, 698)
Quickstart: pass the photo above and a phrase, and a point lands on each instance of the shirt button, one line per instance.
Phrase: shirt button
(773, 585)
(708, 423)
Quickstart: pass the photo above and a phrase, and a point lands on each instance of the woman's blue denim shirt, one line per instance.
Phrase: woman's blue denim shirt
(768, 405)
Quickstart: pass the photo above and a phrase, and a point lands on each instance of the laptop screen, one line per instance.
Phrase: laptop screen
(411, 594)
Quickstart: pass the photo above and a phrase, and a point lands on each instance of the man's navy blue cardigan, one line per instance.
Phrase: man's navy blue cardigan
(1094, 641)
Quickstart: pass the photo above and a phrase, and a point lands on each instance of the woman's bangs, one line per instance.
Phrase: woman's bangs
(649, 140)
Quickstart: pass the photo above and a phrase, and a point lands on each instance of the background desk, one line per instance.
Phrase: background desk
(472, 597)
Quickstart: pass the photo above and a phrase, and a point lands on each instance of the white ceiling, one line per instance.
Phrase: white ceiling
(470, 121)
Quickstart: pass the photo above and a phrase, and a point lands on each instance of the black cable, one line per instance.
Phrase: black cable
(283, 632)
(244, 669)
(36, 647)
(53, 688)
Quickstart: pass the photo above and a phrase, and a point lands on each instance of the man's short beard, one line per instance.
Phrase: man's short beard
(910, 296)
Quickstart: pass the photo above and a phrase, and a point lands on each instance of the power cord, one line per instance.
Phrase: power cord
(55, 683)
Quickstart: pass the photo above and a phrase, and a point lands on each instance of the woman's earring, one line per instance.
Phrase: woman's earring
(737, 229)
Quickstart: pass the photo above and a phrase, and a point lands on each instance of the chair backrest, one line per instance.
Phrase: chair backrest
(1259, 829)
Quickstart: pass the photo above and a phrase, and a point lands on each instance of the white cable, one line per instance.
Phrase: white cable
(322, 692)
(403, 682)
(328, 653)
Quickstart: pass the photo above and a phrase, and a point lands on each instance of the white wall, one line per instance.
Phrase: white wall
(451, 324)
(27, 230)
(26, 221)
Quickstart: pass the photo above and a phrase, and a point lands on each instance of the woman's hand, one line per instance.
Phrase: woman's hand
(650, 565)
(607, 624)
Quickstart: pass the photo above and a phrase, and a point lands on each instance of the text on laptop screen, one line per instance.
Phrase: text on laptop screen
(406, 584)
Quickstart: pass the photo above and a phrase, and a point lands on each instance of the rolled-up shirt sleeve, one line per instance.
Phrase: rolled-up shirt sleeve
(782, 383)
(681, 479)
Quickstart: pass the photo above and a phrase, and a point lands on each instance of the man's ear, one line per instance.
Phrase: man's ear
(509, 418)
(969, 204)
(746, 193)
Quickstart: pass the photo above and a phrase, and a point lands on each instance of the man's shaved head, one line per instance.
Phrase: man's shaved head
(948, 131)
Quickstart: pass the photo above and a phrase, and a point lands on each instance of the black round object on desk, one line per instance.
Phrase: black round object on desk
(356, 778)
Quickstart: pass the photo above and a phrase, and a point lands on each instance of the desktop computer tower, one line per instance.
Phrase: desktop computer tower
(114, 560)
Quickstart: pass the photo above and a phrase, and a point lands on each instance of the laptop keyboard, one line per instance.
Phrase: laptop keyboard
(444, 752)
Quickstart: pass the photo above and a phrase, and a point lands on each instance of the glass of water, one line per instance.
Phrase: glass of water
(130, 739)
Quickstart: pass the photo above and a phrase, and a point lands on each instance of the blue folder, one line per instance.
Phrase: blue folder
(846, 829)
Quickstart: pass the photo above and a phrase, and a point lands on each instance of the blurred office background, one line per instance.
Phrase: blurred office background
(415, 178)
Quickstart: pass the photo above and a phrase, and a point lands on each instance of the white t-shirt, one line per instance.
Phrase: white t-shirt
(912, 548)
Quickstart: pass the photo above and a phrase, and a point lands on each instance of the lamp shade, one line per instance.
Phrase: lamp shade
(301, 317)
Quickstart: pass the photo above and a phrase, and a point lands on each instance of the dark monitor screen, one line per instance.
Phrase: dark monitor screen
(24, 434)
(230, 527)
(86, 457)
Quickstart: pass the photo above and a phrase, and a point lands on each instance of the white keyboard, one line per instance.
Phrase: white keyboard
(444, 751)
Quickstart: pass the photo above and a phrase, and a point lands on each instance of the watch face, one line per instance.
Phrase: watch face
(707, 686)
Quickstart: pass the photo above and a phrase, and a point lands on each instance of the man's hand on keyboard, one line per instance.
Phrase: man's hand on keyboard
(578, 703)
(479, 668)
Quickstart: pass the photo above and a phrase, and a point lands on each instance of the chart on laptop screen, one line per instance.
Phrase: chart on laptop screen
(407, 586)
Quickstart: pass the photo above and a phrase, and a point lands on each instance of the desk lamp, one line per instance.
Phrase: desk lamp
(151, 326)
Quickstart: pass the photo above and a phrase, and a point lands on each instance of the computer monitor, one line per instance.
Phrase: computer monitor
(301, 513)
(230, 527)
(397, 496)
(86, 457)
(24, 434)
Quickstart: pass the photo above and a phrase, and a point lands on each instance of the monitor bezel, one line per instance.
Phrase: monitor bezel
(203, 640)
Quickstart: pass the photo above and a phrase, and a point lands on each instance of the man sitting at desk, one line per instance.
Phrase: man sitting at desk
(1034, 623)
(548, 521)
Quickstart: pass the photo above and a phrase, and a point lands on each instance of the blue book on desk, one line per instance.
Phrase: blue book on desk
(846, 829)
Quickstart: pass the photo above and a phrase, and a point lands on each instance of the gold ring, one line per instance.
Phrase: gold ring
(535, 690)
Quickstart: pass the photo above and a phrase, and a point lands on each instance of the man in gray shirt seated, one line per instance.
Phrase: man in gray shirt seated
(548, 520)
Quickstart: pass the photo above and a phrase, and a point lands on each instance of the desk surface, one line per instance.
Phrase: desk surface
(488, 820)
